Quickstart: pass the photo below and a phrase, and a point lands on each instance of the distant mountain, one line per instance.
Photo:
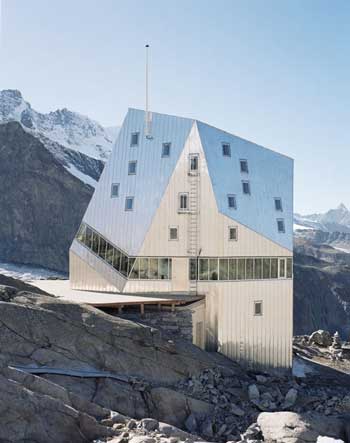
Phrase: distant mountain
(41, 201)
(67, 128)
(334, 220)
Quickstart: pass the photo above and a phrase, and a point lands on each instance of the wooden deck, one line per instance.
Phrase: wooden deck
(62, 289)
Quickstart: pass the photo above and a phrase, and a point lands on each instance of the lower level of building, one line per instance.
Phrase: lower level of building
(246, 306)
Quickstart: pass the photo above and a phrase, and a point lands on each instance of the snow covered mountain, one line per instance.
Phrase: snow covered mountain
(67, 128)
(334, 220)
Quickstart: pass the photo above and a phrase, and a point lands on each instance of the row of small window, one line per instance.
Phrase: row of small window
(155, 268)
(228, 269)
(135, 138)
(232, 233)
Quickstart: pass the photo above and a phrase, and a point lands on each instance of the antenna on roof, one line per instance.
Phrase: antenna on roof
(148, 114)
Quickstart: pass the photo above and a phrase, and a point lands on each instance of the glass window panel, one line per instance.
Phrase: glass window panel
(143, 268)
(282, 268)
(134, 139)
(194, 163)
(123, 264)
(246, 187)
(170, 268)
(193, 268)
(102, 248)
(88, 237)
(258, 308)
(166, 149)
(116, 260)
(289, 268)
(134, 272)
(95, 242)
(244, 166)
(203, 269)
(153, 269)
(258, 268)
(280, 225)
(223, 269)
(231, 201)
(241, 269)
(115, 190)
(249, 268)
(232, 269)
(164, 268)
(132, 167)
(266, 268)
(232, 233)
(81, 234)
(213, 269)
(278, 204)
(109, 253)
(274, 268)
(226, 149)
(131, 261)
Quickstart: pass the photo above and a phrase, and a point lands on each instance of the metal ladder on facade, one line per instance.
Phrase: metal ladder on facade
(193, 221)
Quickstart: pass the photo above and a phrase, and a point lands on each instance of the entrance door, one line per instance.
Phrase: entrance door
(180, 274)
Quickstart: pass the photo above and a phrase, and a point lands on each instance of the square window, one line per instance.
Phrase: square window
(115, 190)
(246, 187)
(132, 167)
(129, 203)
(173, 233)
(183, 201)
(231, 201)
(166, 149)
(278, 204)
(135, 139)
(280, 225)
(232, 233)
(258, 308)
(226, 149)
(244, 166)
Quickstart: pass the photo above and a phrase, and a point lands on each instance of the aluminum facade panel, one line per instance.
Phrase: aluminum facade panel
(107, 215)
(270, 175)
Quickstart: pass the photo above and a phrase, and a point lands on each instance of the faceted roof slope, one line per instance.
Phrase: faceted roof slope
(127, 229)
(270, 175)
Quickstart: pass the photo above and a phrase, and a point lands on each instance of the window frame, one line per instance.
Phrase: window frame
(229, 233)
(278, 199)
(166, 144)
(117, 185)
(177, 233)
(243, 161)
(234, 200)
(281, 220)
(136, 133)
(132, 162)
(260, 303)
(246, 182)
(223, 145)
(186, 194)
(129, 197)
(190, 170)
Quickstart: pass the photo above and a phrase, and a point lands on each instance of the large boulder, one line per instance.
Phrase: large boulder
(43, 331)
(321, 338)
(289, 427)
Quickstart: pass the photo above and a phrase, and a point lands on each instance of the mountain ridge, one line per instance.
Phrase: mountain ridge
(67, 128)
(334, 220)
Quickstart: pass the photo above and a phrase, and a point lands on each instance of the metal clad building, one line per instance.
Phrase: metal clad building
(196, 210)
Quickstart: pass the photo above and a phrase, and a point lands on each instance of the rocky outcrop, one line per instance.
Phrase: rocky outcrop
(289, 427)
(41, 203)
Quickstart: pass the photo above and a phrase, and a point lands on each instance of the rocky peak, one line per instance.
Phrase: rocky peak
(68, 128)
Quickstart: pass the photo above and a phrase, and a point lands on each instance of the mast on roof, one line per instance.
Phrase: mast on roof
(148, 114)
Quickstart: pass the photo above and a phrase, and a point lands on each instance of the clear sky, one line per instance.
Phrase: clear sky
(274, 72)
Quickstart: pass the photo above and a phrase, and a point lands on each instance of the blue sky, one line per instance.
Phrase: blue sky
(274, 72)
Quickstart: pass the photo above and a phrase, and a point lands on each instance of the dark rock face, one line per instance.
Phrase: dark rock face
(321, 295)
(41, 203)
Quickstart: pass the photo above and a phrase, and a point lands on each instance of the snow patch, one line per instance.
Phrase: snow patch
(27, 273)
(300, 368)
(81, 176)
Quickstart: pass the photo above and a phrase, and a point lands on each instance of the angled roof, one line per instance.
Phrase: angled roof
(270, 175)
